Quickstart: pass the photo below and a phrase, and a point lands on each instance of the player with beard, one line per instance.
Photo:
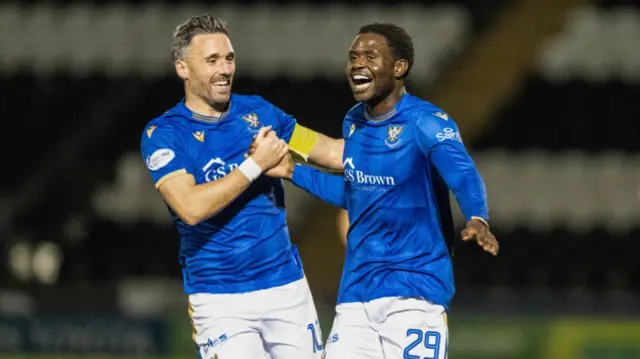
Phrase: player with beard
(402, 155)
(248, 297)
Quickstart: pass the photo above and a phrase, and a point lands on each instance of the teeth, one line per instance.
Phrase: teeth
(360, 77)
(221, 83)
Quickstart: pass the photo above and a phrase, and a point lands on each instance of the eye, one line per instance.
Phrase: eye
(371, 57)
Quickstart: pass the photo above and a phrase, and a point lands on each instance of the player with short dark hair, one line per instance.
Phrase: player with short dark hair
(402, 155)
(248, 297)
(399, 42)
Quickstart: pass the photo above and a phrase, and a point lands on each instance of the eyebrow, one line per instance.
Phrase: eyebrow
(368, 51)
(217, 55)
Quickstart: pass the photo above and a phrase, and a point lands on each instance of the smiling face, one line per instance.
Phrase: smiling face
(370, 67)
(372, 71)
(208, 68)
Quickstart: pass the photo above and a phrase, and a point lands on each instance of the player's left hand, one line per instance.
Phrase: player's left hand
(284, 169)
(478, 231)
(254, 145)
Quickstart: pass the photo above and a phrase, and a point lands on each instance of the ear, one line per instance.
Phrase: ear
(182, 69)
(400, 68)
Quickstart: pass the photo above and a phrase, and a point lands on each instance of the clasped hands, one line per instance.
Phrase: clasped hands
(271, 154)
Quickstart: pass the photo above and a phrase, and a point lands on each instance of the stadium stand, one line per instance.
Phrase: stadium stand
(70, 167)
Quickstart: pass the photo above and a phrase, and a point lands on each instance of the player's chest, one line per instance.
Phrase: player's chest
(216, 152)
(381, 154)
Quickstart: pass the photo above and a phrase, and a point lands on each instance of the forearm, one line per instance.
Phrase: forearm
(207, 199)
(327, 187)
(463, 179)
(196, 203)
(470, 194)
(327, 153)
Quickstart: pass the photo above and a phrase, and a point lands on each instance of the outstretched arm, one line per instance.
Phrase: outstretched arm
(440, 141)
(328, 187)
(312, 146)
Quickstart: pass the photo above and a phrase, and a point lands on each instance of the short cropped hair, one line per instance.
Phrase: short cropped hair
(399, 41)
(196, 25)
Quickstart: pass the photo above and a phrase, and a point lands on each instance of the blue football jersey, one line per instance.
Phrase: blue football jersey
(395, 168)
(246, 246)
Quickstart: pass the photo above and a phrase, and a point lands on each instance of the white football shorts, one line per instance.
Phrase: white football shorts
(389, 328)
(275, 323)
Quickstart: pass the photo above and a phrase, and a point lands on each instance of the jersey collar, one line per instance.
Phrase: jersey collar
(385, 117)
(204, 119)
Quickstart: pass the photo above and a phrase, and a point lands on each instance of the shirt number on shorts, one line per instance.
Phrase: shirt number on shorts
(431, 340)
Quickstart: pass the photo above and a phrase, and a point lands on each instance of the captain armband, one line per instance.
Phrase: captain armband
(302, 141)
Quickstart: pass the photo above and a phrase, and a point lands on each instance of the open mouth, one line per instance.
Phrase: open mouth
(361, 82)
(222, 85)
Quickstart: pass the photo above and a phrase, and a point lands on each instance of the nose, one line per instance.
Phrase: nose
(226, 68)
(358, 63)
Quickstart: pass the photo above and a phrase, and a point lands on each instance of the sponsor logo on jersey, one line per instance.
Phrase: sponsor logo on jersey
(199, 135)
(150, 130)
(216, 168)
(449, 133)
(352, 129)
(365, 181)
(442, 115)
(160, 158)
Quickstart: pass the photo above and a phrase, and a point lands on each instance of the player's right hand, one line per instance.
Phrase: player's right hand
(269, 149)
(284, 168)
(479, 232)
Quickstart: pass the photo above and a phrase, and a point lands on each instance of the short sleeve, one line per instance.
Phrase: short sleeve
(437, 128)
(300, 139)
(163, 153)
(286, 123)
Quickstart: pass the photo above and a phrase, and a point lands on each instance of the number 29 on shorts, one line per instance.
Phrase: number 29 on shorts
(430, 340)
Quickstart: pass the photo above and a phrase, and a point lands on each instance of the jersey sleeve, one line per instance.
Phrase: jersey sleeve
(163, 154)
(328, 187)
(438, 129)
(300, 139)
(440, 142)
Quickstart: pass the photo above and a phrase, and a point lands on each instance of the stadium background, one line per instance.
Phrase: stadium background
(546, 92)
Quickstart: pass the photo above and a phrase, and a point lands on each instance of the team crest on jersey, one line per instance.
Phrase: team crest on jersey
(150, 130)
(199, 135)
(393, 135)
(253, 121)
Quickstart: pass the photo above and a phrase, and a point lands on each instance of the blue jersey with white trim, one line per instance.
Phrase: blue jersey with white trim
(246, 246)
(398, 170)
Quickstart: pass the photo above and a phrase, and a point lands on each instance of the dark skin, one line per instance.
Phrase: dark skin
(371, 57)
(376, 78)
